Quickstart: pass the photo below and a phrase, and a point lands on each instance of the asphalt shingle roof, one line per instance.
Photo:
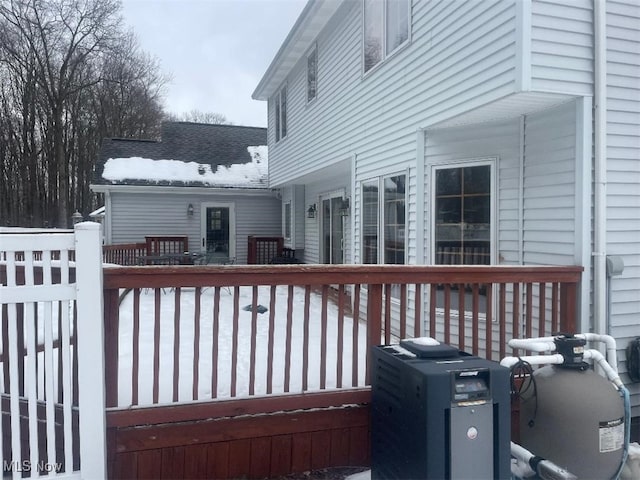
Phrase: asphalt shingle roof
(188, 142)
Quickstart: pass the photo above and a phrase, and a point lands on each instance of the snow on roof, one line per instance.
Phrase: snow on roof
(98, 211)
(243, 175)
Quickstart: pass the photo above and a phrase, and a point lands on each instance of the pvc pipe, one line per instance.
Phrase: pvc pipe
(598, 358)
(544, 468)
(600, 169)
(539, 344)
(522, 455)
(609, 341)
(555, 359)
(533, 344)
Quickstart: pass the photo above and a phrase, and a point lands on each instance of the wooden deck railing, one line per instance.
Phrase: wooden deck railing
(129, 254)
(183, 334)
(261, 250)
(123, 253)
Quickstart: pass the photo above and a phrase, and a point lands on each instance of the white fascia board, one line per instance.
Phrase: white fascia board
(315, 15)
(231, 191)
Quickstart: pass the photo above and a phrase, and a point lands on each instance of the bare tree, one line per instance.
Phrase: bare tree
(197, 116)
(69, 76)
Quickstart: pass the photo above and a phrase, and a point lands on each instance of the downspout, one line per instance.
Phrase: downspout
(600, 319)
(352, 218)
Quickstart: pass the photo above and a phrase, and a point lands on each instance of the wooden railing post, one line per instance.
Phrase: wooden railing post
(568, 307)
(89, 285)
(251, 251)
(374, 323)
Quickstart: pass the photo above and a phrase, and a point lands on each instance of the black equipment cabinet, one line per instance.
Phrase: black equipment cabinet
(438, 413)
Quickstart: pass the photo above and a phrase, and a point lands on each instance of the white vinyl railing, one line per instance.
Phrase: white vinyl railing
(52, 344)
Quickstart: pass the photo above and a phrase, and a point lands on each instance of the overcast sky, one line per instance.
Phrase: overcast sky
(215, 51)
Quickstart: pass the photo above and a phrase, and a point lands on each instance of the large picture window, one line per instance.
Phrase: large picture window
(280, 103)
(386, 28)
(462, 225)
(463, 215)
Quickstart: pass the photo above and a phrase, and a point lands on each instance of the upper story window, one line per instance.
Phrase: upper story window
(386, 28)
(280, 102)
(312, 74)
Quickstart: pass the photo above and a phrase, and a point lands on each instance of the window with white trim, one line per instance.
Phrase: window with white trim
(280, 103)
(383, 220)
(462, 225)
(287, 220)
(312, 74)
(386, 29)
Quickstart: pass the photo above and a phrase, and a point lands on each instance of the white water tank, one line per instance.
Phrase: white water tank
(575, 418)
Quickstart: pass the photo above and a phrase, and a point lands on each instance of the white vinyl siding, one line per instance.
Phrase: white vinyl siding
(623, 171)
(549, 215)
(293, 195)
(312, 193)
(562, 46)
(134, 215)
(492, 140)
(461, 55)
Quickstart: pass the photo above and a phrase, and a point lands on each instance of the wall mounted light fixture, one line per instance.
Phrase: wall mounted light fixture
(311, 211)
(344, 208)
(190, 210)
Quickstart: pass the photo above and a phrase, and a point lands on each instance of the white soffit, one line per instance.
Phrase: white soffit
(511, 106)
(312, 20)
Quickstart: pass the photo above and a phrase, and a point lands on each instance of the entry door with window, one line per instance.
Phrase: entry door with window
(218, 232)
(332, 230)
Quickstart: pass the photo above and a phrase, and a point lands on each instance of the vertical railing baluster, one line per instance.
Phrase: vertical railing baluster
(461, 316)
(289, 335)
(196, 342)
(50, 396)
(403, 311)
(215, 342)
(433, 300)
(475, 307)
(355, 351)
(417, 318)
(252, 334)
(387, 314)
(111, 349)
(176, 344)
(542, 310)
(340, 339)
(32, 370)
(502, 318)
(156, 345)
(374, 324)
(59, 353)
(234, 340)
(516, 299)
(135, 370)
(447, 313)
(323, 337)
(272, 322)
(555, 309)
(489, 323)
(64, 346)
(529, 311)
(305, 339)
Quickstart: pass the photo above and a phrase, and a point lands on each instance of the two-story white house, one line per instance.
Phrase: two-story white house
(465, 132)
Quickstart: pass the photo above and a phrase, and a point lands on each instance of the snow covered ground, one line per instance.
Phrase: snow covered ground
(225, 341)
